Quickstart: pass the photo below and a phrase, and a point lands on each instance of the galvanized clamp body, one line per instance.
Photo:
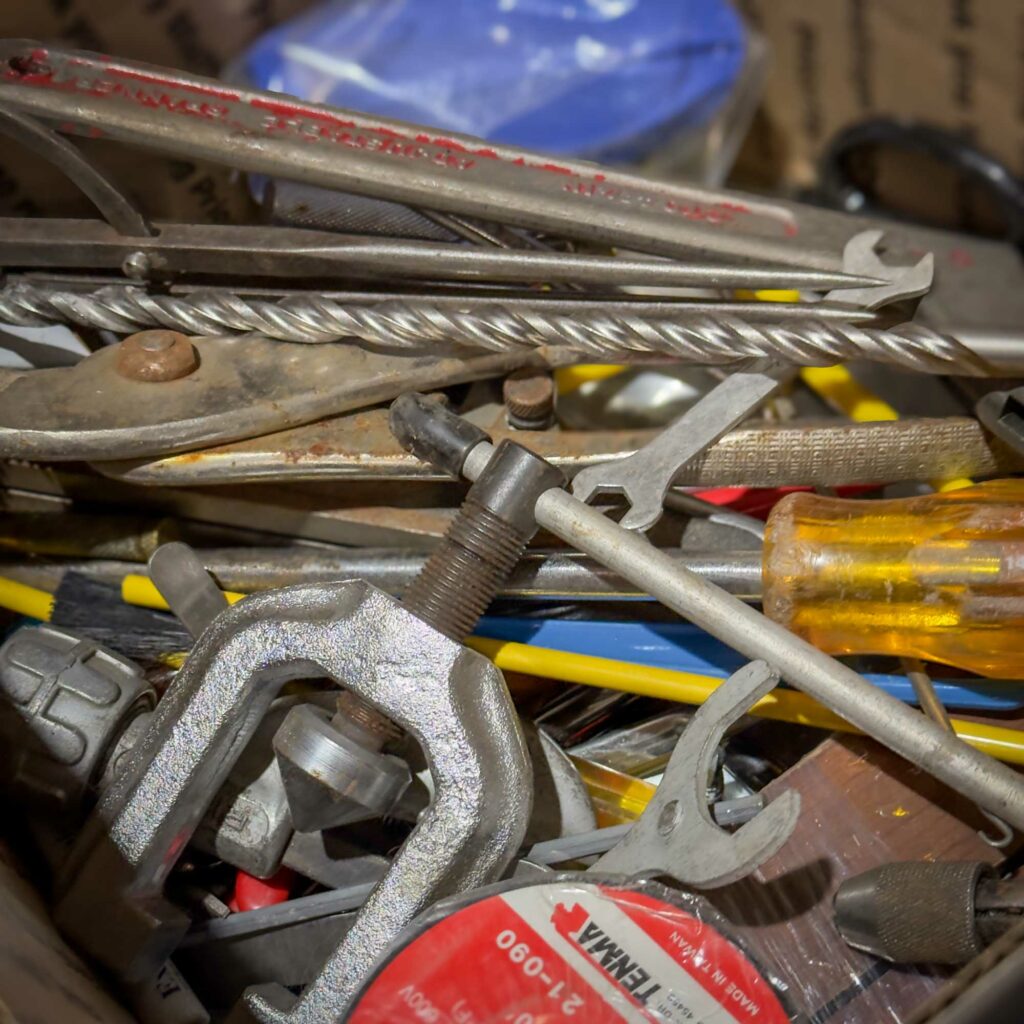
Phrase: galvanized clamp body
(452, 700)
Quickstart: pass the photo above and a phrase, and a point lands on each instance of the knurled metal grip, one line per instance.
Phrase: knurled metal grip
(913, 912)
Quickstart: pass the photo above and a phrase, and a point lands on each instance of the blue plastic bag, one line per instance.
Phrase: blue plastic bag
(602, 79)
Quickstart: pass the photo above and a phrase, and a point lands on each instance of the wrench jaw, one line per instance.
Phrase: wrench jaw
(676, 834)
(646, 476)
(602, 481)
(643, 512)
(860, 256)
(592, 482)
(755, 842)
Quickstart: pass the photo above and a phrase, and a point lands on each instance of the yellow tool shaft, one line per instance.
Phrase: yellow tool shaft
(684, 687)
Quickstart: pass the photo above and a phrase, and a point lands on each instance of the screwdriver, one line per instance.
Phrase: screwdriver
(938, 577)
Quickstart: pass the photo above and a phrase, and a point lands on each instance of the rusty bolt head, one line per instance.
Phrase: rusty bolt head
(530, 399)
(376, 730)
(156, 356)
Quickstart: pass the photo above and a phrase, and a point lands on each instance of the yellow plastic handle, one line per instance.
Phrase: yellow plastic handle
(998, 741)
(939, 577)
(141, 590)
(618, 798)
(25, 600)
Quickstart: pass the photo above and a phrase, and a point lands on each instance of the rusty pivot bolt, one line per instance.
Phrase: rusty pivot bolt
(530, 399)
(156, 356)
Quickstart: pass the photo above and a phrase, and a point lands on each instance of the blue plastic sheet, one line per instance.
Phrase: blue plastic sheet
(604, 79)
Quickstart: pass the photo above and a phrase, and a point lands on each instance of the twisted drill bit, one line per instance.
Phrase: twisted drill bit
(718, 340)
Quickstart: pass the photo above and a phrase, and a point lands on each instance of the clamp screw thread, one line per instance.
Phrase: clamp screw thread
(354, 711)
(462, 576)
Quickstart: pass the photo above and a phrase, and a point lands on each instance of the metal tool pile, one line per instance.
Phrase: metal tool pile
(367, 415)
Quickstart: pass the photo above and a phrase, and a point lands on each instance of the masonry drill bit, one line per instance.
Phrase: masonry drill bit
(719, 340)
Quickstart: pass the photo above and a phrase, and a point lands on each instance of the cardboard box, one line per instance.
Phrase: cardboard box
(953, 63)
(195, 35)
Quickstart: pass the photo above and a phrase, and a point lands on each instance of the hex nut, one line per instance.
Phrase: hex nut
(156, 356)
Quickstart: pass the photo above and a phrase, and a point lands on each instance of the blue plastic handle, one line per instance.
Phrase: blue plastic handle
(686, 648)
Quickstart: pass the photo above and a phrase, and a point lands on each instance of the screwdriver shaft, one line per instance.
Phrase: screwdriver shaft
(538, 575)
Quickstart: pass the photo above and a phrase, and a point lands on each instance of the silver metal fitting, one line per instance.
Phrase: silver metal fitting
(65, 702)
(249, 824)
(452, 700)
(333, 773)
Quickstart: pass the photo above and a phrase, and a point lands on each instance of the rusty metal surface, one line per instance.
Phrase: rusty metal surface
(242, 387)
(360, 446)
(529, 396)
(361, 513)
(355, 446)
(156, 356)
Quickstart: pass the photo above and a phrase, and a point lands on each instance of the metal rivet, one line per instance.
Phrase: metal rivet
(156, 356)
(136, 265)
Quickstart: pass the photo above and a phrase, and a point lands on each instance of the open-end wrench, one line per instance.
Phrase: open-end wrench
(676, 834)
(860, 256)
(645, 476)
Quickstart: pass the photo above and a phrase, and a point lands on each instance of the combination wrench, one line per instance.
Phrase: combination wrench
(267, 133)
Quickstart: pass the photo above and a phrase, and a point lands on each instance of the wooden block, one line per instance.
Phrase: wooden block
(862, 806)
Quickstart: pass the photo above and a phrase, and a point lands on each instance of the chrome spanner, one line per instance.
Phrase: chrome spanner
(676, 834)
(645, 476)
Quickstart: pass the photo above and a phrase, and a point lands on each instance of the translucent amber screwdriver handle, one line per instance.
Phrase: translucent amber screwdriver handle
(939, 577)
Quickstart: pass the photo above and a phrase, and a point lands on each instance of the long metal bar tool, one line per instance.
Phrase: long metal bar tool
(266, 133)
(261, 251)
(907, 732)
